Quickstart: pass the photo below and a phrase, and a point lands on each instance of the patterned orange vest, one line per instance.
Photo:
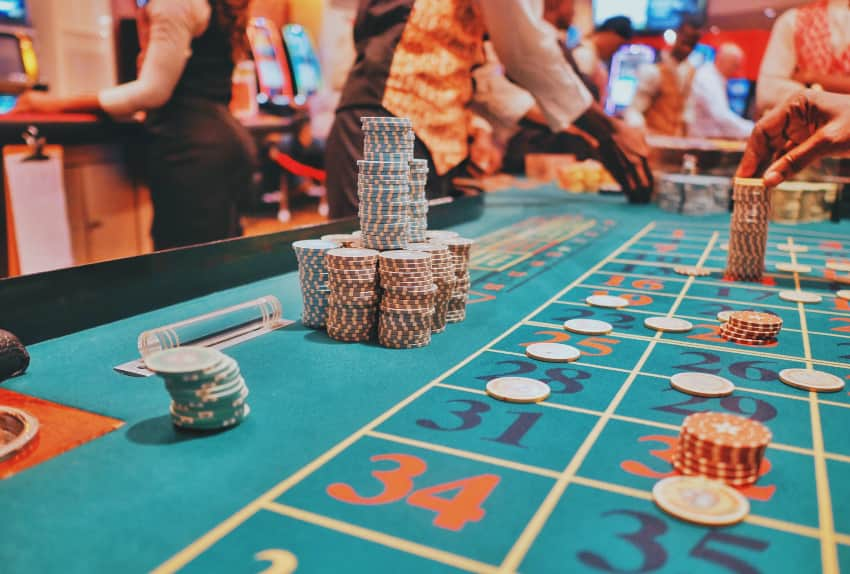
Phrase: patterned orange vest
(430, 79)
(666, 115)
(812, 41)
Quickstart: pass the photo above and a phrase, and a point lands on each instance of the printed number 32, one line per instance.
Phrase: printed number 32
(452, 513)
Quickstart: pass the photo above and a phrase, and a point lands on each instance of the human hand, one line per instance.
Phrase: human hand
(37, 103)
(808, 126)
(804, 77)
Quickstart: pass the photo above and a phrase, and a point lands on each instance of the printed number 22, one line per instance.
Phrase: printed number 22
(452, 513)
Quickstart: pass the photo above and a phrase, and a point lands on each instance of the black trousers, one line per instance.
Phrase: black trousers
(199, 161)
(345, 147)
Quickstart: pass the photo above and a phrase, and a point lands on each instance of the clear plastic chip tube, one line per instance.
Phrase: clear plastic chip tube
(214, 328)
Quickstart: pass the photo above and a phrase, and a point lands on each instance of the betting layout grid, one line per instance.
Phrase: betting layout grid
(460, 453)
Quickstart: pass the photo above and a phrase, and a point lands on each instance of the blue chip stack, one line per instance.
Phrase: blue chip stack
(418, 207)
(313, 274)
(383, 185)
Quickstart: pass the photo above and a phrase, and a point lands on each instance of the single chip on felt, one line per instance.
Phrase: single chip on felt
(588, 326)
(811, 380)
(702, 384)
(607, 301)
(838, 266)
(692, 270)
(723, 316)
(553, 352)
(792, 248)
(668, 324)
(800, 297)
(14, 358)
(793, 267)
(843, 294)
(518, 389)
(700, 500)
(17, 429)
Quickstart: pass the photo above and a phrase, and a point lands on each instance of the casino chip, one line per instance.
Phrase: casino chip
(839, 266)
(461, 250)
(700, 500)
(553, 352)
(518, 389)
(748, 230)
(811, 380)
(702, 384)
(588, 326)
(668, 324)
(692, 270)
(206, 387)
(313, 276)
(800, 297)
(843, 294)
(792, 248)
(793, 267)
(607, 301)
(751, 328)
(723, 316)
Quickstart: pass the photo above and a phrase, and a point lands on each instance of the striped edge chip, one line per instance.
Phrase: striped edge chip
(700, 500)
(518, 389)
(702, 384)
(811, 380)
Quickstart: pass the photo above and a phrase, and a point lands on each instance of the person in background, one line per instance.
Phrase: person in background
(199, 158)
(593, 54)
(808, 47)
(661, 102)
(713, 118)
(415, 60)
(808, 126)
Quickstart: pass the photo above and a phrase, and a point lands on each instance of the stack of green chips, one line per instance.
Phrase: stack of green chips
(206, 387)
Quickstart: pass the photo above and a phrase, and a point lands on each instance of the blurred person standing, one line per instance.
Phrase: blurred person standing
(713, 118)
(662, 102)
(593, 54)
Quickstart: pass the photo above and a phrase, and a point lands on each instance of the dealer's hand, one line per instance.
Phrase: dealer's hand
(37, 103)
(808, 126)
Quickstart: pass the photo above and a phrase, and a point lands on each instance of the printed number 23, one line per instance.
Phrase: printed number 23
(452, 513)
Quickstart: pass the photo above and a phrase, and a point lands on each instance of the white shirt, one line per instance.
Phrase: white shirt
(586, 57)
(713, 118)
(528, 48)
(649, 84)
(166, 31)
(780, 58)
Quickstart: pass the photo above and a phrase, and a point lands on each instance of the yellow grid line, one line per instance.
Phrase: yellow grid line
(829, 550)
(193, 550)
(533, 528)
(381, 538)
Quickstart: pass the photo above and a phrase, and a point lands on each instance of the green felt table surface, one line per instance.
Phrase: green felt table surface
(557, 487)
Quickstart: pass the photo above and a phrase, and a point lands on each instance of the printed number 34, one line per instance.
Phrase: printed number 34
(452, 513)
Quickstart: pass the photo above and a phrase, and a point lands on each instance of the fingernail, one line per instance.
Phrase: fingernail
(771, 178)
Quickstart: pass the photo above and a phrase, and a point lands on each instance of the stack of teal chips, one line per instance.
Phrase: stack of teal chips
(417, 208)
(206, 386)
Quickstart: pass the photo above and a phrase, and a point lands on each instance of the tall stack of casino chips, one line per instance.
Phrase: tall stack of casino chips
(751, 328)
(443, 272)
(313, 277)
(353, 297)
(407, 299)
(383, 184)
(748, 231)
(418, 207)
(206, 387)
(722, 446)
(460, 248)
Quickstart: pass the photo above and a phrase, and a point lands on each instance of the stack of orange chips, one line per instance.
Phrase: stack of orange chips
(722, 447)
(751, 328)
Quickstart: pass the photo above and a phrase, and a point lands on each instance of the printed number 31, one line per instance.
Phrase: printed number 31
(452, 513)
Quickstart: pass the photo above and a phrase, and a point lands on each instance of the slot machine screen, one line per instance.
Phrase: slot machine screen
(272, 69)
(622, 82)
(306, 72)
(13, 12)
(650, 16)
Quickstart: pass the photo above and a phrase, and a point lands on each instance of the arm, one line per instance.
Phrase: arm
(497, 98)
(648, 78)
(534, 60)
(173, 25)
(775, 81)
(829, 83)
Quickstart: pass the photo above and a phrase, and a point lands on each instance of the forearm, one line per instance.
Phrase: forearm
(834, 83)
(83, 104)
